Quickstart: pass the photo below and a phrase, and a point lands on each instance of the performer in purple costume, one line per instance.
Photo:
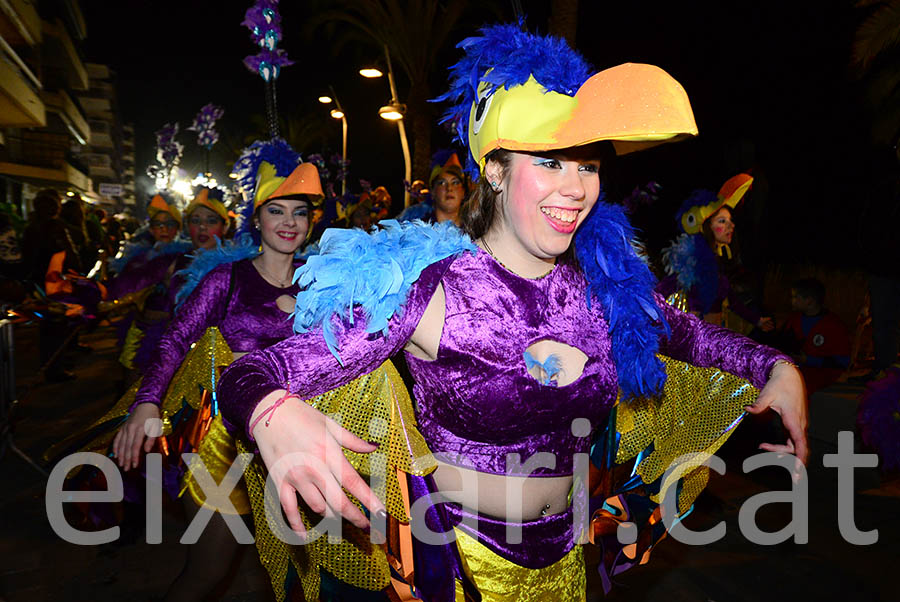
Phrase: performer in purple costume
(510, 342)
(247, 294)
(160, 275)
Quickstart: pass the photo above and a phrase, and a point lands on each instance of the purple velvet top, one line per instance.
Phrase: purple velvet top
(251, 321)
(158, 271)
(476, 398)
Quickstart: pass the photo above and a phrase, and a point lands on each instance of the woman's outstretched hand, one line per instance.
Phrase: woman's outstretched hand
(302, 448)
(786, 394)
(127, 444)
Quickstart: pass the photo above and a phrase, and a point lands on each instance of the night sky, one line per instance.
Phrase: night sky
(769, 83)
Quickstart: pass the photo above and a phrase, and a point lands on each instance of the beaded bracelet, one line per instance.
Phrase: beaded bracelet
(781, 362)
(271, 410)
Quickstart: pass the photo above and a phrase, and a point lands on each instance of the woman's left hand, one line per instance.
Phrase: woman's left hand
(786, 394)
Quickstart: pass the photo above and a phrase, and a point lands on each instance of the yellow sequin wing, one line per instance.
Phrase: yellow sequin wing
(696, 414)
(376, 407)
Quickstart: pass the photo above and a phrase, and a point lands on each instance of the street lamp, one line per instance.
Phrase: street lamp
(370, 72)
(338, 113)
(394, 112)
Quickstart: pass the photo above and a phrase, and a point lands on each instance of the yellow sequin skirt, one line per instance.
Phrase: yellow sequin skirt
(500, 580)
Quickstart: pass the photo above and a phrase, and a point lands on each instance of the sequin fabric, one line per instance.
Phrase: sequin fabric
(376, 407)
(499, 580)
(697, 413)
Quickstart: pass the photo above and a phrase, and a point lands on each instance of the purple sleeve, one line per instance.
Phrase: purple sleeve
(138, 278)
(303, 364)
(202, 309)
(706, 345)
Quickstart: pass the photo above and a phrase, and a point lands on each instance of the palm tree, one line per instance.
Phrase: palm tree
(876, 60)
(415, 32)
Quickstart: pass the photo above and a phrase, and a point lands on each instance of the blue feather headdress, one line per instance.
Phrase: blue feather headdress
(504, 56)
(275, 151)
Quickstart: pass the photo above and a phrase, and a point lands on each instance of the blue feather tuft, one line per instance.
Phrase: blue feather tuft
(619, 279)
(421, 211)
(204, 261)
(695, 267)
(275, 151)
(697, 198)
(372, 271)
(132, 251)
(511, 55)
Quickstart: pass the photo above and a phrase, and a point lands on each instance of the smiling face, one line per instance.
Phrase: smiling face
(283, 224)
(203, 225)
(722, 227)
(163, 227)
(545, 198)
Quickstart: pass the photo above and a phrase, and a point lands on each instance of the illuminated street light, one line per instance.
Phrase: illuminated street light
(392, 112)
(370, 72)
(233, 176)
(325, 100)
(337, 114)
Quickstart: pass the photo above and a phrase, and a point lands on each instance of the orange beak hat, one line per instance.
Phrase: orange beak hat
(703, 204)
(159, 204)
(523, 92)
(212, 199)
(271, 169)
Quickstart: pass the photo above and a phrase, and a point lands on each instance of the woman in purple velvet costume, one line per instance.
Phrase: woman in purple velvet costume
(246, 292)
(208, 220)
(516, 347)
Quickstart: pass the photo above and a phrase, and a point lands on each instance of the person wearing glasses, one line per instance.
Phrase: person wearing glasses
(153, 285)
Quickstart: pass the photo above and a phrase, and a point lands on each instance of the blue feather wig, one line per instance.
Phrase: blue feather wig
(275, 151)
(512, 56)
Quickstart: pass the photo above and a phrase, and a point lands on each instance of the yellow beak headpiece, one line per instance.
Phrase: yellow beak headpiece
(158, 205)
(730, 195)
(534, 93)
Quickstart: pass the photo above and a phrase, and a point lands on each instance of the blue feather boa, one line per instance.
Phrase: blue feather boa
(695, 267)
(373, 271)
(204, 261)
(619, 279)
(512, 56)
(132, 251)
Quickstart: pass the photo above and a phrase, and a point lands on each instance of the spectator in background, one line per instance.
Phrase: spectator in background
(816, 338)
(45, 236)
(93, 224)
(72, 214)
(11, 265)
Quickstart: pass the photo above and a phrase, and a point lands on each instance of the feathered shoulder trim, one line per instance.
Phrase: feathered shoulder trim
(695, 267)
(206, 260)
(132, 251)
(619, 279)
(370, 270)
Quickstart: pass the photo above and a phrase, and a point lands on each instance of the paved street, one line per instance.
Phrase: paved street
(37, 565)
